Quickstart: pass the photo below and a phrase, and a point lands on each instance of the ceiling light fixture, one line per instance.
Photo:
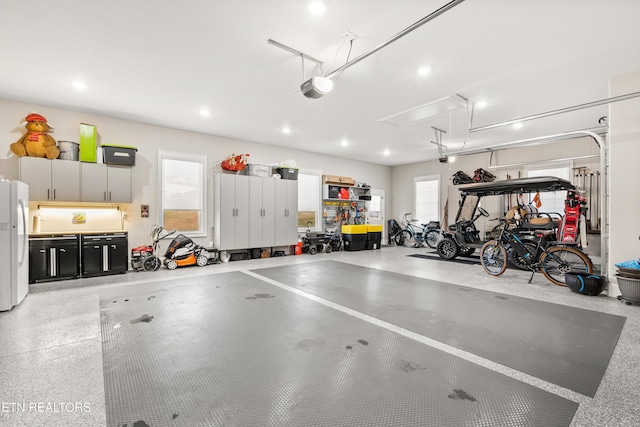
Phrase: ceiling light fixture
(481, 104)
(423, 71)
(204, 112)
(517, 125)
(79, 85)
(317, 8)
(386, 152)
(344, 143)
(286, 130)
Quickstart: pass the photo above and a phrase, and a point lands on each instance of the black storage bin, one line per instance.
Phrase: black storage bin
(123, 156)
(374, 240)
(584, 283)
(334, 192)
(354, 242)
(288, 173)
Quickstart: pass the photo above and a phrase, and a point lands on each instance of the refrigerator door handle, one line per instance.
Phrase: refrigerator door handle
(25, 233)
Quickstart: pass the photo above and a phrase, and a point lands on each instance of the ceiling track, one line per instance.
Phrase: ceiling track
(401, 34)
(471, 107)
(543, 162)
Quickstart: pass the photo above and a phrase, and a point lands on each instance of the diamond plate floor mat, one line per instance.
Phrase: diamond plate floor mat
(232, 350)
(567, 346)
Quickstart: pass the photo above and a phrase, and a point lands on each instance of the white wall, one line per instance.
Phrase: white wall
(624, 163)
(149, 139)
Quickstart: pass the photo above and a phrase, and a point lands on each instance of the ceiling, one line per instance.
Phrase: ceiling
(162, 63)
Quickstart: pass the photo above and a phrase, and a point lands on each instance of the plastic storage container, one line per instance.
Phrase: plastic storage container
(288, 173)
(256, 169)
(629, 288)
(354, 237)
(374, 236)
(119, 155)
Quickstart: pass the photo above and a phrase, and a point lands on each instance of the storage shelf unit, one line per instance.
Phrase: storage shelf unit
(337, 211)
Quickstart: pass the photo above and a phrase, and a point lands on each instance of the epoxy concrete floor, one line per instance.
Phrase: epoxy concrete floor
(51, 367)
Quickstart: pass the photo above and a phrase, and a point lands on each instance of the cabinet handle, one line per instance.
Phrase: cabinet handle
(104, 196)
(48, 194)
(54, 194)
(109, 195)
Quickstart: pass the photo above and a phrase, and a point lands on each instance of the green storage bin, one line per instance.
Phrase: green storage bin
(88, 143)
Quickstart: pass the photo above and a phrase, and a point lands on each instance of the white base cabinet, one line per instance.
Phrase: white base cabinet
(254, 212)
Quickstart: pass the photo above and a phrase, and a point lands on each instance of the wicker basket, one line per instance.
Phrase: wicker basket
(629, 288)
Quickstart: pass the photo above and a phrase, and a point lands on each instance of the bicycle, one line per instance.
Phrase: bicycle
(416, 236)
(553, 261)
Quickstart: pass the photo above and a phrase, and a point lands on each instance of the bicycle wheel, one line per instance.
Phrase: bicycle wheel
(407, 239)
(558, 260)
(431, 238)
(493, 258)
(401, 236)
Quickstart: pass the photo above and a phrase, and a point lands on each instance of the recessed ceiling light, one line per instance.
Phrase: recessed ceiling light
(386, 152)
(344, 142)
(79, 85)
(204, 112)
(423, 71)
(481, 104)
(286, 130)
(517, 125)
(317, 8)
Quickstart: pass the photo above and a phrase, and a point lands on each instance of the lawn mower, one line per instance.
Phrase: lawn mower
(183, 251)
(144, 257)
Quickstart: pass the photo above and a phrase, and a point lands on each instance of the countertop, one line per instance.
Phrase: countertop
(73, 233)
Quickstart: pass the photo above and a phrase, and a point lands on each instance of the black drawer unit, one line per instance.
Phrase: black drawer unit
(53, 257)
(104, 254)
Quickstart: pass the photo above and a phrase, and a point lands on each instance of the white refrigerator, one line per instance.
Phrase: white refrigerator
(14, 243)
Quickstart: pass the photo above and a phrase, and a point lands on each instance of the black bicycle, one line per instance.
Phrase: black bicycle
(554, 261)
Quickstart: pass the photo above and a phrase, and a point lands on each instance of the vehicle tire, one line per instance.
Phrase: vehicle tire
(465, 251)
(328, 248)
(431, 238)
(516, 260)
(172, 264)
(152, 263)
(493, 258)
(447, 248)
(202, 260)
(559, 260)
(313, 250)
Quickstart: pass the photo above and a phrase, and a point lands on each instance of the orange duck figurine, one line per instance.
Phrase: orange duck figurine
(36, 142)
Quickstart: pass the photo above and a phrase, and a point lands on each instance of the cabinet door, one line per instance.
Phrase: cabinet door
(118, 184)
(68, 261)
(38, 261)
(226, 211)
(280, 213)
(268, 215)
(292, 212)
(93, 182)
(36, 172)
(65, 180)
(118, 255)
(255, 212)
(242, 211)
(92, 258)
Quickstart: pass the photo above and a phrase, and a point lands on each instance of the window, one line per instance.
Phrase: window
(551, 202)
(182, 192)
(426, 196)
(309, 200)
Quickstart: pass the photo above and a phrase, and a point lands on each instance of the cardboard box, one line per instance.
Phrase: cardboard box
(336, 179)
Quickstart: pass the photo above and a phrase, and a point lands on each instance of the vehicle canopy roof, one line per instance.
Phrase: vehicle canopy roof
(517, 186)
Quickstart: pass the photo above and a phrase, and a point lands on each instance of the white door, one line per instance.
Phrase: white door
(375, 212)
